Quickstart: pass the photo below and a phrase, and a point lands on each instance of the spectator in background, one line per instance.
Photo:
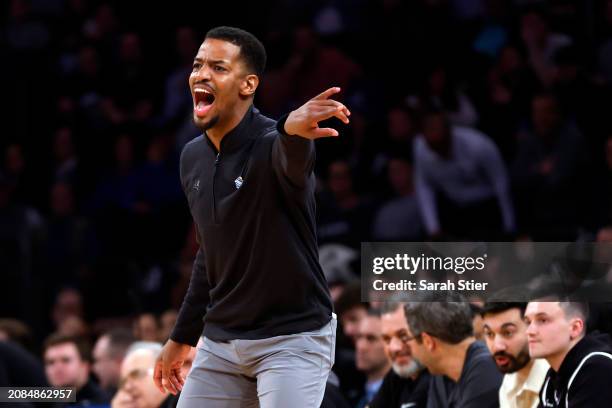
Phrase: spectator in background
(547, 173)
(506, 338)
(344, 216)
(20, 175)
(19, 368)
(129, 72)
(166, 322)
(146, 327)
(509, 87)
(67, 362)
(70, 241)
(17, 332)
(311, 67)
(407, 383)
(441, 337)
(108, 354)
(580, 364)
(21, 241)
(541, 44)
(136, 388)
(66, 159)
(351, 311)
(177, 98)
(68, 303)
(402, 127)
(370, 356)
(399, 219)
(461, 182)
(441, 93)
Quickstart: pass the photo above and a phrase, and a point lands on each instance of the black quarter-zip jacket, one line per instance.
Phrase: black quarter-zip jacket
(256, 273)
(584, 379)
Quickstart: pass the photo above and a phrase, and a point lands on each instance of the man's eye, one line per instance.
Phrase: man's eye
(196, 67)
(219, 68)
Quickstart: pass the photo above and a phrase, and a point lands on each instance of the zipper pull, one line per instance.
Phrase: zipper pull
(218, 158)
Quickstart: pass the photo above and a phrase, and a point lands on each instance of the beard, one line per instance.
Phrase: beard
(204, 126)
(514, 363)
(408, 370)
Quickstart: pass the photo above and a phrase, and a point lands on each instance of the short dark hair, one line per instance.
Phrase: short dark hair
(81, 344)
(450, 321)
(499, 307)
(350, 298)
(390, 307)
(252, 50)
(576, 309)
(119, 341)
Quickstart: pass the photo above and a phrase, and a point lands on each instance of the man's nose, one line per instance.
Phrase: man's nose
(498, 344)
(396, 345)
(202, 73)
(531, 331)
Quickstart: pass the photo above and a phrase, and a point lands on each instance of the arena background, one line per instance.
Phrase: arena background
(94, 228)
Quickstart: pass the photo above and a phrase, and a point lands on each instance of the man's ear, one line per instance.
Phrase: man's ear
(249, 85)
(576, 328)
(428, 341)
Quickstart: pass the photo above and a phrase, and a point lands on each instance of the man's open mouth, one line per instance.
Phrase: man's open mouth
(203, 100)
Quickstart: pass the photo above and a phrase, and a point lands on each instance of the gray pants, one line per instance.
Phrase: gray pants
(277, 372)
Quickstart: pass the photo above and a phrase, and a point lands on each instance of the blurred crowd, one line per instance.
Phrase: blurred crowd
(471, 119)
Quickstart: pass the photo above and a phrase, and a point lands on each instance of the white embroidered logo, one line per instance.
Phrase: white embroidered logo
(196, 185)
(238, 182)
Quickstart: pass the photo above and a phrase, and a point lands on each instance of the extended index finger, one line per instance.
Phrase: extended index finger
(327, 93)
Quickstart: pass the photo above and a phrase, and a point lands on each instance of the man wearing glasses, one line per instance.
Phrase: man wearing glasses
(440, 335)
(405, 386)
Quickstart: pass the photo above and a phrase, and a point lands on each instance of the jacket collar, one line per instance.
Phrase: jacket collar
(236, 137)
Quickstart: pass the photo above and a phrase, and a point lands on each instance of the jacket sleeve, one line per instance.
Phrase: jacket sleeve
(190, 320)
(592, 386)
(293, 157)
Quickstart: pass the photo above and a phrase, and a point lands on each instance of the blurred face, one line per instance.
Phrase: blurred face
(146, 328)
(436, 133)
(545, 114)
(218, 81)
(400, 125)
(506, 337)
(400, 176)
(62, 202)
(68, 303)
(369, 347)
(549, 332)
(350, 321)
(422, 350)
(63, 147)
(137, 379)
(394, 332)
(15, 162)
(105, 367)
(340, 182)
(64, 367)
(509, 60)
